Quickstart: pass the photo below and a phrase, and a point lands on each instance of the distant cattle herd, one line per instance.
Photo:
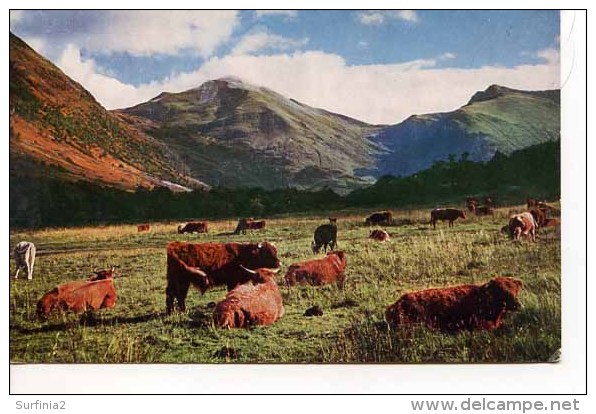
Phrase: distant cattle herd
(249, 271)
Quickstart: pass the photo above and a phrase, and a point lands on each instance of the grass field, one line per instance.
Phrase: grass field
(352, 328)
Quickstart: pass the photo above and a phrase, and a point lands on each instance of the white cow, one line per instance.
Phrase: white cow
(24, 256)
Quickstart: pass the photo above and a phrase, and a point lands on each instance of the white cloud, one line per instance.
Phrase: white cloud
(363, 44)
(550, 56)
(408, 15)
(378, 17)
(148, 32)
(447, 56)
(288, 14)
(262, 40)
(374, 93)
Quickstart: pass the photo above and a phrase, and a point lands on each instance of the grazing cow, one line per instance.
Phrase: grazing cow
(24, 256)
(143, 227)
(484, 210)
(472, 203)
(464, 307)
(251, 304)
(450, 214)
(381, 217)
(78, 296)
(379, 235)
(249, 224)
(522, 224)
(194, 227)
(205, 265)
(318, 272)
(325, 235)
(539, 216)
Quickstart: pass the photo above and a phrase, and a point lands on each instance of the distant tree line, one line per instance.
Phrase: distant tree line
(46, 201)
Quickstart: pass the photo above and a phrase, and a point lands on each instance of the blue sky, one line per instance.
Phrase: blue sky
(378, 66)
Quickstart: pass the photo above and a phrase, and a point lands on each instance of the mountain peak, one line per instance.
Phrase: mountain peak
(492, 92)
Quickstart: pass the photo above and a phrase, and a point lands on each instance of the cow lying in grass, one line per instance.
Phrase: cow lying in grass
(379, 235)
(251, 304)
(464, 307)
(78, 296)
(318, 272)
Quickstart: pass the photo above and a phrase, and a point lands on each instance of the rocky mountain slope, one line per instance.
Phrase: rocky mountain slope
(497, 119)
(58, 128)
(235, 134)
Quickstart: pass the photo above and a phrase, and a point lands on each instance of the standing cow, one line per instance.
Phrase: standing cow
(249, 224)
(522, 224)
(24, 256)
(381, 217)
(251, 304)
(325, 235)
(205, 265)
(450, 214)
(319, 272)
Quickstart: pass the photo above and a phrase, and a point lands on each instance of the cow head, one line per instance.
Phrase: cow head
(462, 214)
(103, 274)
(180, 229)
(315, 247)
(261, 275)
(504, 290)
(259, 255)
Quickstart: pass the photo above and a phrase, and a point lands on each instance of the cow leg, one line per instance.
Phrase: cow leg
(181, 293)
(30, 263)
(16, 276)
(170, 295)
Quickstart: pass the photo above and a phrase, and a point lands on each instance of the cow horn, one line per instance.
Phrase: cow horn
(252, 272)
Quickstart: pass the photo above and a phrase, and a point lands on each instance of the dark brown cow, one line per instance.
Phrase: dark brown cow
(325, 236)
(205, 265)
(381, 217)
(143, 227)
(522, 224)
(450, 214)
(318, 272)
(472, 203)
(103, 274)
(484, 210)
(379, 235)
(251, 304)
(194, 227)
(249, 224)
(539, 216)
(464, 307)
(78, 296)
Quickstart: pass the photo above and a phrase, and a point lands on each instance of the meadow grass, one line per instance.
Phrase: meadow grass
(352, 328)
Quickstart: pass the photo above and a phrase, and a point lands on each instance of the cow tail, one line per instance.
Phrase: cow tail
(193, 271)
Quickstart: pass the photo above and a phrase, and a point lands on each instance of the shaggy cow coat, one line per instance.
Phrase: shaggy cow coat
(464, 307)
(194, 227)
(251, 304)
(379, 235)
(522, 224)
(78, 296)
(205, 265)
(318, 272)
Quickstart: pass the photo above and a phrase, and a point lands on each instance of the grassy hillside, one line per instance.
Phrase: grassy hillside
(55, 122)
(496, 120)
(351, 328)
(235, 134)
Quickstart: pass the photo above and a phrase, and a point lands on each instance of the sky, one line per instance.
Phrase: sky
(379, 66)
